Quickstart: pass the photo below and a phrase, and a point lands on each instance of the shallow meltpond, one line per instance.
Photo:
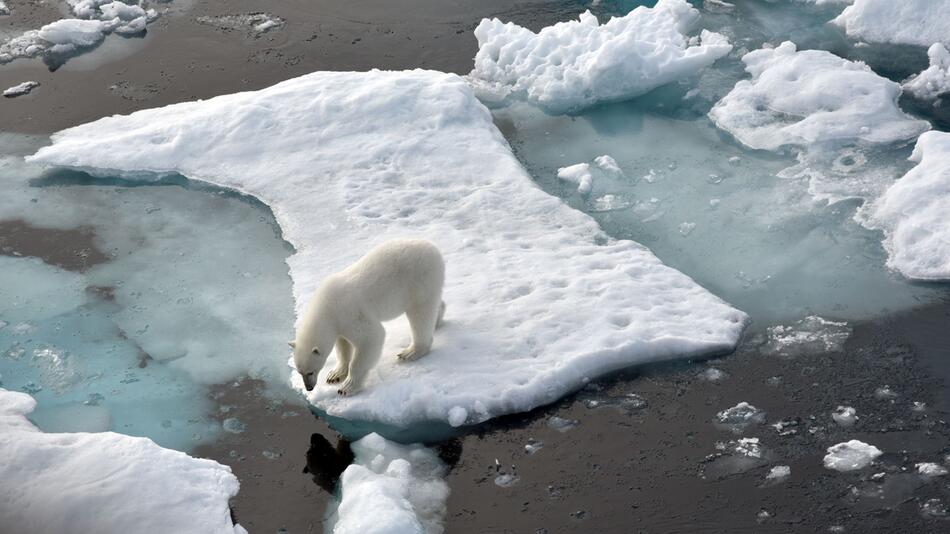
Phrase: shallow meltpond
(119, 305)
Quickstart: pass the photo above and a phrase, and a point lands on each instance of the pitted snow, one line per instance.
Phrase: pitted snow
(104, 482)
(539, 298)
(577, 64)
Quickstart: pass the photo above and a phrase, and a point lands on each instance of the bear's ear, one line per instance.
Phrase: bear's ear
(293, 344)
(315, 351)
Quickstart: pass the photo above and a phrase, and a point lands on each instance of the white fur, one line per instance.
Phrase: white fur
(348, 309)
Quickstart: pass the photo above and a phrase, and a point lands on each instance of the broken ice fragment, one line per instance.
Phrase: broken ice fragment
(850, 456)
(740, 416)
(561, 424)
(844, 415)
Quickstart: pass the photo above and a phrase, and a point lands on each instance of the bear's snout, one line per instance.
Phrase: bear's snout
(308, 381)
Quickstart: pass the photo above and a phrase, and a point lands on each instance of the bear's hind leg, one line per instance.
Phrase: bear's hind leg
(344, 352)
(423, 321)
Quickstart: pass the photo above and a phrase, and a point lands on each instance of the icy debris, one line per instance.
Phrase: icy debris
(4, 10)
(740, 416)
(850, 456)
(577, 64)
(528, 335)
(63, 482)
(933, 508)
(533, 446)
(457, 416)
(811, 335)
(254, 23)
(20, 89)
(609, 202)
(713, 374)
(885, 393)
(578, 174)
(686, 228)
(912, 213)
(935, 80)
(779, 473)
(809, 97)
(845, 415)
(748, 447)
(931, 469)
(561, 424)
(608, 164)
(787, 427)
(915, 22)
(391, 488)
(233, 425)
(506, 480)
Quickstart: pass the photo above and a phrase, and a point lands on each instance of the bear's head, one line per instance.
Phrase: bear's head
(309, 357)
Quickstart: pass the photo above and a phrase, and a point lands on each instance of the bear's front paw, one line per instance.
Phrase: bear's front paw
(336, 375)
(348, 387)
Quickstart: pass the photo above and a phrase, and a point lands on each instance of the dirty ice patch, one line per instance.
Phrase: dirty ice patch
(539, 298)
(577, 64)
(391, 488)
(912, 213)
(811, 97)
(934, 81)
(851, 456)
(104, 482)
(914, 22)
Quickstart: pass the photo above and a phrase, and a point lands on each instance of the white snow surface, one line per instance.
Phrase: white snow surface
(851, 455)
(912, 213)
(934, 80)
(915, 22)
(809, 97)
(539, 298)
(577, 64)
(104, 482)
(392, 489)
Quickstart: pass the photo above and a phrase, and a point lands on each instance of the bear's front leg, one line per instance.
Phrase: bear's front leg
(366, 350)
(344, 353)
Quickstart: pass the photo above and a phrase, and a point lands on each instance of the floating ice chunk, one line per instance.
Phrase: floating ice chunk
(457, 416)
(391, 488)
(740, 416)
(748, 447)
(533, 446)
(20, 89)
(912, 213)
(935, 80)
(931, 469)
(811, 335)
(67, 36)
(779, 473)
(578, 174)
(916, 22)
(63, 482)
(810, 97)
(851, 456)
(845, 415)
(576, 64)
(561, 424)
(608, 164)
(885, 393)
(545, 300)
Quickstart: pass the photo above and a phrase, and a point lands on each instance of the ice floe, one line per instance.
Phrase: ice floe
(912, 213)
(851, 455)
(803, 98)
(539, 299)
(20, 89)
(104, 482)
(916, 22)
(935, 80)
(576, 64)
(391, 488)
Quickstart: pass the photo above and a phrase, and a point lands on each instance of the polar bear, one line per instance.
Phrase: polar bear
(348, 309)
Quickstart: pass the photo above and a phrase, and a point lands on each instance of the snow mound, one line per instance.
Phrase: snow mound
(539, 298)
(851, 456)
(915, 22)
(577, 64)
(935, 80)
(20, 89)
(912, 213)
(104, 482)
(392, 488)
(809, 97)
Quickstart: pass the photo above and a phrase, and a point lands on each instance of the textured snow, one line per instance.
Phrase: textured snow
(391, 488)
(20, 89)
(810, 97)
(935, 80)
(577, 64)
(104, 482)
(539, 299)
(912, 213)
(851, 456)
(915, 22)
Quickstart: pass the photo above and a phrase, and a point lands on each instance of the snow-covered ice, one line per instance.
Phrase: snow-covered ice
(391, 488)
(577, 64)
(809, 97)
(104, 482)
(935, 79)
(20, 89)
(915, 22)
(912, 213)
(851, 455)
(539, 299)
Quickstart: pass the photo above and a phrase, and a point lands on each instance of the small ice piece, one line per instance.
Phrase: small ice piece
(935, 80)
(20, 89)
(608, 164)
(787, 427)
(686, 228)
(845, 415)
(885, 393)
(762, 516)
(914, 22)
(271, 454)
(561, 424)
(740, 416)
(712, 374)
(850, 456)
(578, 174)
(930, 469)
(577, 64)
(748, 447)
(735, 160)
(714, 202)
(457, 416)
(533, 446)
(506, 480)
(811, 335)
(233, 425)
(609, 202)
(919, 406)
(779, 473)
(933, 508)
